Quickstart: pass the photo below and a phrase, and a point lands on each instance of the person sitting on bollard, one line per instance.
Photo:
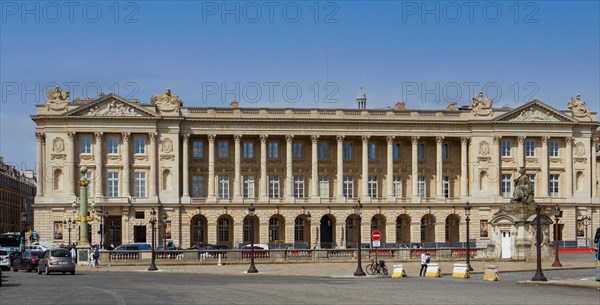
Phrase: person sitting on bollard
(424, 261)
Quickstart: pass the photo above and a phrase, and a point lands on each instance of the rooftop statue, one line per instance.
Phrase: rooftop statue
(578, 107)
(167, 102)
(481, 106)
(57, 99)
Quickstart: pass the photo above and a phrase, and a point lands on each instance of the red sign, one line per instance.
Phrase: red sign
(376, 235)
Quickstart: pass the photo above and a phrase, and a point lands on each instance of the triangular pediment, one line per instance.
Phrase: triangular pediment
(535, 111)
(111, 105)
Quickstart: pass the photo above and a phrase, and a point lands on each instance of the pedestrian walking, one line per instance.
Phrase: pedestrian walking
(73, 254)
(425, 259)
(96, 257)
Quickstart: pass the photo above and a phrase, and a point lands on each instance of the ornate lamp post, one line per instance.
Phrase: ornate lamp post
(163, 223)
(539, 275)
(69, 223)
(586, 222)
(467, 219)
(252, 268)
(557, 215)
(358, 212)
(308, 218)
(153, 223)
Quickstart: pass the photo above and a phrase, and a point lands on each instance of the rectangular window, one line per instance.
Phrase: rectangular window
(372, 151)
(223, 187)
(139, 184)
(553, 148)
(298, 150)
(248, 150)
(505, 148)
(532, 179)
(505, 185)
(140, 145)
(444, 151)
(348, 190)
(273, 186)
(198, 149)
(249, 187)
(529, 148)
(347, 151)
(298, 186)
(113, 145)
(324, 186)
(446, 186)
(372, 186)
(198, 186)
(323, 149)
(397, 186)
(421, 151)
(421, 186)
(113, 184)
(223, 149)
(396, 151)
(273, 150)
(86, 144)
(553, 185)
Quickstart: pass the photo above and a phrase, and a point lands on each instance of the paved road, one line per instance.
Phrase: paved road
(170, 288)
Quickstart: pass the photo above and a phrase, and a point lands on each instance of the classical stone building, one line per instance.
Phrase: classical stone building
(17, 191)
(413, 170)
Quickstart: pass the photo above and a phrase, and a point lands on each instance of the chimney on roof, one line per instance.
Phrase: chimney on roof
(400, 105)
(135, 100)
(234, 103)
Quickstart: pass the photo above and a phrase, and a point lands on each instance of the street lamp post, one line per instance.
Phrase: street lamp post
(252, 268)
(539, 275)
(586, 222)
(308, 218)
(467, 219)
(358, 212)
(153, 223)
(69, 223)
(557, 215)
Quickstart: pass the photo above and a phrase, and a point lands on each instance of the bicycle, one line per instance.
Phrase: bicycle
(377, 268)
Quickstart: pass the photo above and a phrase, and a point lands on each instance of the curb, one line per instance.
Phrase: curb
(561, 284)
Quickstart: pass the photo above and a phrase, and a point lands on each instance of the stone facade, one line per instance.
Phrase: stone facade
(413, 170)
(17, 192)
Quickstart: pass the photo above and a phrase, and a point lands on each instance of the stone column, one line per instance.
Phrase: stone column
(314, 190)
(544, 169)
(237, 194)
(496, 153)
(390, 169)
(211, 168)
(126, 165)
(569, 167)
(415, 170)
(99, 166)
(365, 170)
(153, 166)
(41, 139)
(464, 167)
(340, 168)
(594, 165)
(186, 168)
(289, 177)
(520, 151)
(439, 140)
(70, 164)
(263, 167)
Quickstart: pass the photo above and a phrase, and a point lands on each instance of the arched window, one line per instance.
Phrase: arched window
(403, 229)
(275, 230)
(352, 231)
(428, 228)
(198, 230)
(299, 227)
(224, 229)
(247, 230)
(57, 180)
(166, 180)
(452, 229)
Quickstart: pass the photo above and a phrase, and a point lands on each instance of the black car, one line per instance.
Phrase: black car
(204, 246)
(28, 261)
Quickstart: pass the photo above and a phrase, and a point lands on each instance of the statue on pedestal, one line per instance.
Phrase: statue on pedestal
(523, 193)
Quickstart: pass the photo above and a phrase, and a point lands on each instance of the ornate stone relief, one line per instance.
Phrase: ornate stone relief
(579, 149)
(578, 107)
(112, 108)
(484, 148)
(58, 145)
(166, 146)
(481, 106)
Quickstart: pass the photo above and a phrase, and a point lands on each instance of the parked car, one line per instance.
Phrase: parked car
(204, 246)
(56, 260)
(257, 247)
(28, 261)
(170, 246)
(4, 260)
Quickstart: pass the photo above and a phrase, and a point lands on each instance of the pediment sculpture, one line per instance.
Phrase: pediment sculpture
(112, 108)
(578, 107)
(57, 99)
(481, 106)
(535, 115)
(167, 102)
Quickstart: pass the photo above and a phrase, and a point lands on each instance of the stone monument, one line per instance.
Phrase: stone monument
(513, 226)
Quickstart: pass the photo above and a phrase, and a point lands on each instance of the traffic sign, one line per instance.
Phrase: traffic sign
(376, 243)
(376, 235)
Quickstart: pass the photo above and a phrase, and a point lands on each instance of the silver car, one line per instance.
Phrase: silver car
(56, 260)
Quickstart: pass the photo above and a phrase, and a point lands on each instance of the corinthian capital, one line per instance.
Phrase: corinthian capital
(390, 139)
(339, 139)
(40, 137)
(464, 140)
(314, 138)
(365, 139)
(185, 137)
(263, 138)
(289, 138)
(237, 138)
(211, 138)
(98, 136)
(414, 140)
(439, 139)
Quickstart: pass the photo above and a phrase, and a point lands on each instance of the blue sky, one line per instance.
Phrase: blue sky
(294, 54)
